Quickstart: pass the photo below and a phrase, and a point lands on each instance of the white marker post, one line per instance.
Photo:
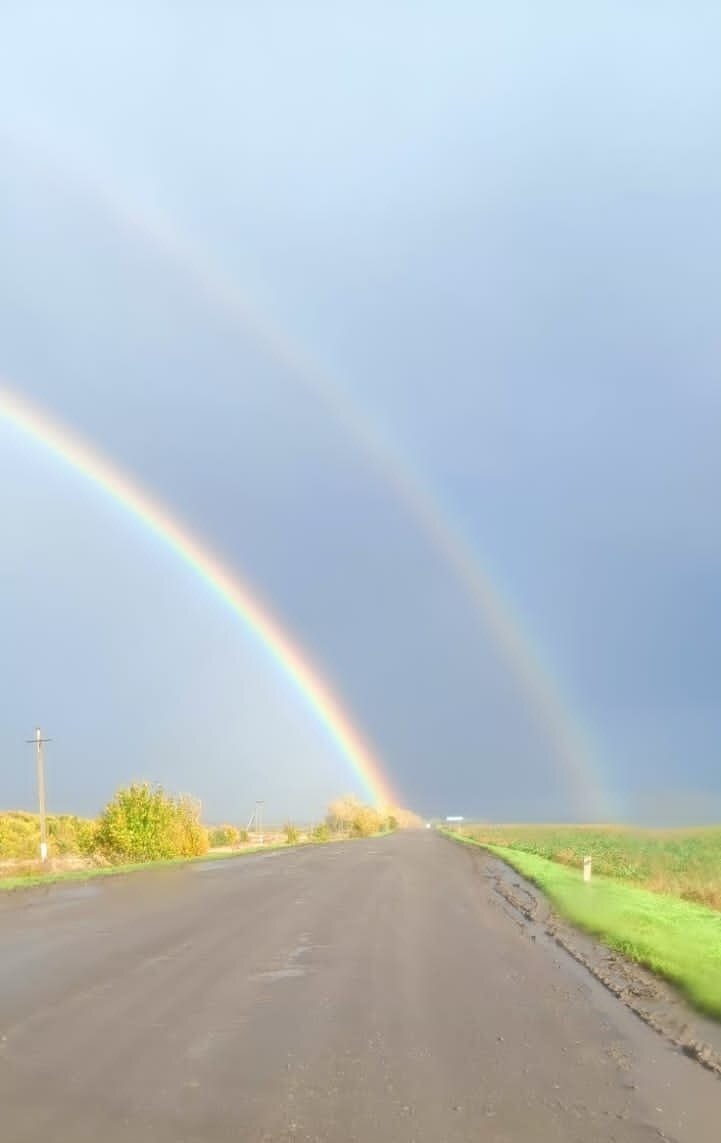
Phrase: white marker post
(587, 869)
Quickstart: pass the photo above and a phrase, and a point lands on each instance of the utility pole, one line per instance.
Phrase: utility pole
(40, 774)
(256, 820)
(259, 820)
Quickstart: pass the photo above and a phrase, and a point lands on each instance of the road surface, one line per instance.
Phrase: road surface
(372, 991)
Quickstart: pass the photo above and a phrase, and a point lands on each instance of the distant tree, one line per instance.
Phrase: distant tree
(349, 815)
(406, 819)
(366, 821)
(341, 813)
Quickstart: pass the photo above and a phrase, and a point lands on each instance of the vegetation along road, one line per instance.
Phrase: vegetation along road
(379, 990)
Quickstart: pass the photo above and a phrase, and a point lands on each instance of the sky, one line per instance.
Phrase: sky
(242, 241)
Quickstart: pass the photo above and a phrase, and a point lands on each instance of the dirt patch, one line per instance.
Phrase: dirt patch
(652, 999)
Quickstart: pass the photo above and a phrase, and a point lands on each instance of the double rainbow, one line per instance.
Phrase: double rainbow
(293, 662)
(558, 724)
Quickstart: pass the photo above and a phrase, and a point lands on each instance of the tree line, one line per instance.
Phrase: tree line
(143, 822)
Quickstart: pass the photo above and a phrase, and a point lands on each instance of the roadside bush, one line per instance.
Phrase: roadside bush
(19, 835)
(341, 813)
(189, 834)
(224, 835)
(291, 834)
(86, 833)
(321, 832)
(243, 837)
(349, 815)
(67, 835)
(143, 823)
(366, 821)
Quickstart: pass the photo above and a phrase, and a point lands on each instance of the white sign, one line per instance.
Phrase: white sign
(456, 819)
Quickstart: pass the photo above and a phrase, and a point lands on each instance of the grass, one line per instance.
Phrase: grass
(33, 879)
(678, 939)
(30, 880)
(678, 863)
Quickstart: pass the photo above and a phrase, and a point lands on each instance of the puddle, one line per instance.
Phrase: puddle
(60, 896)
(650, 997)
(242, 861)
(279, 973)
(291, 967)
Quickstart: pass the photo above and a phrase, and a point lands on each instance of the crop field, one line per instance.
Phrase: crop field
(655, 896)
(680, 863)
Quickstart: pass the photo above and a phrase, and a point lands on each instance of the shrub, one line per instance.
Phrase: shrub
(19, 835)
(341, 813)
(70, 835)
(291, 834)
(86, 836)
(190, 837)
(366, 821)
(67, 834)
(321, 832)
(224, 835)
(143, 823)
(348, 815)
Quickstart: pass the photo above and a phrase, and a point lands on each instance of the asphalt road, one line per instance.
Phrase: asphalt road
(371, 991)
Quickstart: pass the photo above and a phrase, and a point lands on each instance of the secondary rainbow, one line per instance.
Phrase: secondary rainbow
(293, 662)
(554, 710)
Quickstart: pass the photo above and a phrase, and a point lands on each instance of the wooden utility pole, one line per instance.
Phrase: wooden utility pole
(40, 774)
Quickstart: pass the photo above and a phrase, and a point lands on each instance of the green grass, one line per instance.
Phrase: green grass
(677, 939)
(679, 863)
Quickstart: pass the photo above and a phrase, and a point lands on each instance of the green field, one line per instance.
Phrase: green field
(679, 863)
(643, 897)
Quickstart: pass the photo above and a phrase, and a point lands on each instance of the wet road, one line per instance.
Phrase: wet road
(373, 991)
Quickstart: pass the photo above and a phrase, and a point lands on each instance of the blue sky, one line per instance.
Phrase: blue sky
(496, 226)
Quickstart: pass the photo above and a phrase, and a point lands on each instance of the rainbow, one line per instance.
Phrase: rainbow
(294, 663)
(553, 714)
(553, 711)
